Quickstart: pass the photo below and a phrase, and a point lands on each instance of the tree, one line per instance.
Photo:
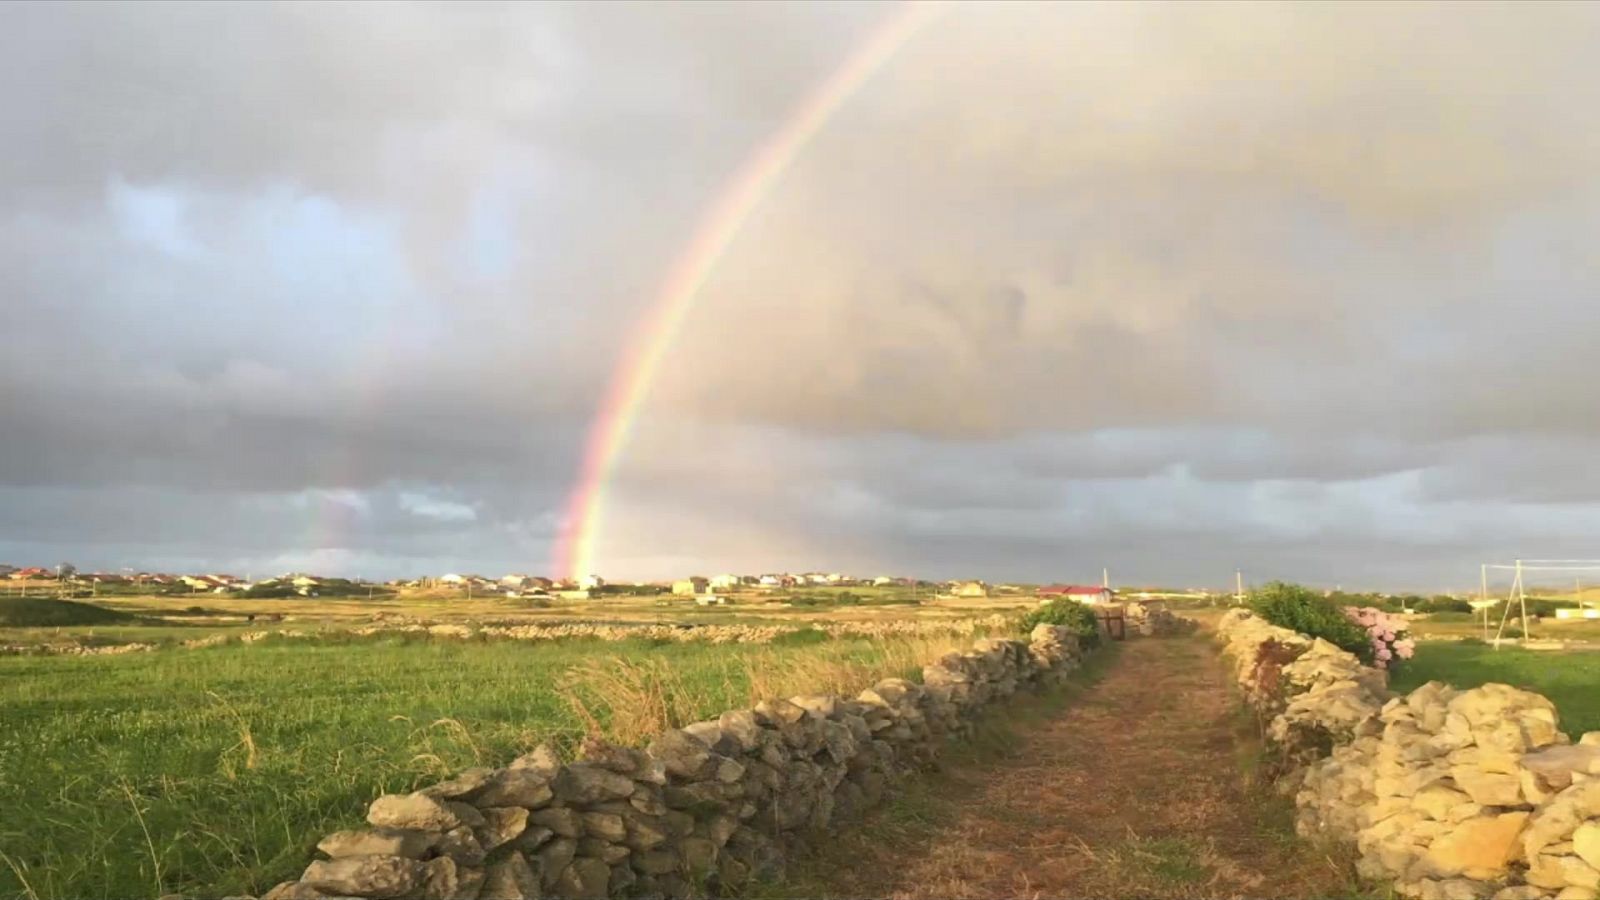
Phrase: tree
(66, 570)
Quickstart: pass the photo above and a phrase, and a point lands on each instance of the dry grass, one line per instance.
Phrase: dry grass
(630, 700)
(1135, 790)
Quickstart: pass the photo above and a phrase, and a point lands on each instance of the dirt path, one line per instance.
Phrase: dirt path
(1134, 786)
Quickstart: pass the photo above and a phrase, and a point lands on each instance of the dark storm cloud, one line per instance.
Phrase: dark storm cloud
(340, 286)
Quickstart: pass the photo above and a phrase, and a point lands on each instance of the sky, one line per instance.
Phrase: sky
(1170, 289)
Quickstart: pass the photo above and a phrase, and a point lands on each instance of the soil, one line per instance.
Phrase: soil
(1137, 783)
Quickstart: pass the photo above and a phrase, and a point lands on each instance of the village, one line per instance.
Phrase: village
(713, 590)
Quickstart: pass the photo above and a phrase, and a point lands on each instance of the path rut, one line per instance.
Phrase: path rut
(1135, 786)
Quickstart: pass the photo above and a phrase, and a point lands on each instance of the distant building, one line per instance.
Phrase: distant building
(591, 583)
(692, 585)
(1083, 593)
(720, 582)
(452, 578)
(971, 589)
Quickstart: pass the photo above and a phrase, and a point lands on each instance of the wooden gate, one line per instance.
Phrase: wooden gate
(1112, 622)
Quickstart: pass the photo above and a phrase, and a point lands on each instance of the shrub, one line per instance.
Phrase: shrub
(1443, 604)
(1301, 609)
(1387, 635)
(1070, 613)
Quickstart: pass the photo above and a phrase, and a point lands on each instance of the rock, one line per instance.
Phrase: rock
(1557, 819)
(1572, 892)
(699, 856)
(778, 712)
(1488, 788)
(1480, 848)
(405, 842)
(728, 770)
(699, 794)
(288, 890)
(461, 844)
(527, 788)
(510, 879)
(583, 784)
(1437, 800)
(414, 811)
(561, 820)
(648, 800)
(680, 752)
(365, 876)
(501, 825)
(461, 786)
(604, 826)
(555, 856)
(740, 725)
(622, 879)
(656, 862)
(542, 758)
(469, 815)
(1519, 892)
(595, 848)
(644, 832)
(1586, 843)
(584, 879)
(534, 837)
(442, 881)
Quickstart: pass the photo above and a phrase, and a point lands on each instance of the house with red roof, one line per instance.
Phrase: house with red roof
(1083, 593)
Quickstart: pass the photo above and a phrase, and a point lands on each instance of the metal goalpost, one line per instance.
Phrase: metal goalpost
(1518, 592)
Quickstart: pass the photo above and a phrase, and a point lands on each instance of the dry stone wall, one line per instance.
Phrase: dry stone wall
(702, 809)
(1450, 794)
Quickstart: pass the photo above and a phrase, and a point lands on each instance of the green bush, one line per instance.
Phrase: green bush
(1070, 613)
(1443, 604)
(1301, 609)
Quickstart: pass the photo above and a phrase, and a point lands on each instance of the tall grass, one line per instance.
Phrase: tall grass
(214, 771)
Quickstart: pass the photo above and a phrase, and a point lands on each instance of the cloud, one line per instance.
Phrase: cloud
(1173, 288)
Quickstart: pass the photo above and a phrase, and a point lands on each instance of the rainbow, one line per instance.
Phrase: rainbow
(634, 374)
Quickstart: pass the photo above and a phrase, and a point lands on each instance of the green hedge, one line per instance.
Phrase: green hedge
(1301, 609)
(1070, 613)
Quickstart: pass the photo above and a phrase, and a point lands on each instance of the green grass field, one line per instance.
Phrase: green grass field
(1571, 679)
(215, 771)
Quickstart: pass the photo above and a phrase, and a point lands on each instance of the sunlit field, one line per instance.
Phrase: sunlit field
(1570, 679)
(214, 771)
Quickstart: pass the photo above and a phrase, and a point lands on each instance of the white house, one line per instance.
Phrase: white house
(591, 583)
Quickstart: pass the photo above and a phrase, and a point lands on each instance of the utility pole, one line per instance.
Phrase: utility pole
(1238, 584)
(1483, 597)
(1105, 578)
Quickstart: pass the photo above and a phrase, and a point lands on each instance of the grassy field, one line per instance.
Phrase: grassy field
(1570, 679)
(214, 771)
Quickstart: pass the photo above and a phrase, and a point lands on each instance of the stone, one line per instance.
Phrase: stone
(699, 856)
(728, 770)
(501, 825)
(288, 890)
(622, 879)
(442, 880)
(1573, 892)
(510, 879)
(560, 819)
(1488, 788)
(534, 837)
(697, 794)
(740, 725)
(583, 784)
(656, 862)
(414, 811)
(410, 843)
(595, 848)
(1586, 843)
(365, 876)
(648, 801)
(542, 758)
(778, 712)
(469, 815)
(644, 832)
(584, 879)
(604, 826)
(1436, 800)
(1519, 892)
(527, 788)
(460, 787)
(680, 752)
(461, 844)
(1481, 848)
(555, 856)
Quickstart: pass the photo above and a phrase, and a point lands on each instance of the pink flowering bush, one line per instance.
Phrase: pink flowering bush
(1390, 642)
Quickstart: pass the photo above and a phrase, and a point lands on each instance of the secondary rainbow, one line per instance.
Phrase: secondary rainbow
(631, 380)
